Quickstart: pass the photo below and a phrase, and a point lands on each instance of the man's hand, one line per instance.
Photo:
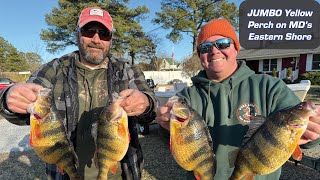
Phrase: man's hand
(135, 102)
(313, 130)
(163, 115)
(20, 95)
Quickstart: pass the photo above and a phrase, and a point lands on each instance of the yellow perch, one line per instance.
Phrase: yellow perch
(271, 142)
(113, 137)
(190, 141)
(48, 137)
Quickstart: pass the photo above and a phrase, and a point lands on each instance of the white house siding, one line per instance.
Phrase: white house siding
(309, 62)
(163, 77)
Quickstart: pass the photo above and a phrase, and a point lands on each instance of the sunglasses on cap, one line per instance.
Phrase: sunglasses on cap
(220, 44)
(104, 35)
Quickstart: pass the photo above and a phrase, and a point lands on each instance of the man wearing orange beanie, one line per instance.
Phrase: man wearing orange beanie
(228, 95)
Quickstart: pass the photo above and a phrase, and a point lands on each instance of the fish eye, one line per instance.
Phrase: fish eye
(184, 103)
(300, 107)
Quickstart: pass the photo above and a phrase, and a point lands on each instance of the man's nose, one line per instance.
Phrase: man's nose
(96, 38)
(215, 50)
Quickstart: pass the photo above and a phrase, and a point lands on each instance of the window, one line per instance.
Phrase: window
(316, 62)
(269, 64)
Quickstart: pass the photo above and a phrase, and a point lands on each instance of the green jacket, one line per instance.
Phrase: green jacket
(224, 104)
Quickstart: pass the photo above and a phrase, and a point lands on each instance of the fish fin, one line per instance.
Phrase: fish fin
(115, 95)
(249, 176)
(37, 131)
(208, 135)
(232, 157)
(114, 168)
(122, 130)
(297, 153)
(129, 136)
(30, 139)
(254, 125)
(170, 145)
(60, 170)
(95, 159)
(197, 175)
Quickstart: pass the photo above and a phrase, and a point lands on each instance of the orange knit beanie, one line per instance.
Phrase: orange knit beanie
(218, 27)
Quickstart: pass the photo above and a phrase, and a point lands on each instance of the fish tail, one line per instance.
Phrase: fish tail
(103, 174)
(239, 173)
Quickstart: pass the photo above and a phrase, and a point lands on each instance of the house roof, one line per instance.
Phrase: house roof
(254, 54)
(170, 61)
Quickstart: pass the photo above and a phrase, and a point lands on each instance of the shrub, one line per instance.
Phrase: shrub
(314, 77)
(274, 72)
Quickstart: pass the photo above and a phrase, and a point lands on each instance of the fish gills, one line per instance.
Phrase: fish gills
(190, 141)
(272, 144)
(113, 138)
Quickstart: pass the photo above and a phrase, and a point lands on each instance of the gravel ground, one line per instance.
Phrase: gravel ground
(159, 164)
(18, 161)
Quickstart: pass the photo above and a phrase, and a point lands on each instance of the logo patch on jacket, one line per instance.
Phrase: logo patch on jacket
(246, 112)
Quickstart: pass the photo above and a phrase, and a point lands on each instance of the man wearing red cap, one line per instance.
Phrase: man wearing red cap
(82, 84)
(227, 94)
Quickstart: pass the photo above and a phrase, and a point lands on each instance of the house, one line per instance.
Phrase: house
(167, 64)
(264, 60)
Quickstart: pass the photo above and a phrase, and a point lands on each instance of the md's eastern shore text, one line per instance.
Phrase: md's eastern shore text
(279, 37)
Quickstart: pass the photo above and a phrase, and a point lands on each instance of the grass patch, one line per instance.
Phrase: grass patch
(314, 94)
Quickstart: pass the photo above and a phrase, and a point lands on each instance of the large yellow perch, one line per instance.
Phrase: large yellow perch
(272, 144)
(190, 140)
(113, 137)
(48, 136)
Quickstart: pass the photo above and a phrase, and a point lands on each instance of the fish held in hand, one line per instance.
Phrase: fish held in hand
(190, 141)
(113, 137)
(48, 135)
(270, 142)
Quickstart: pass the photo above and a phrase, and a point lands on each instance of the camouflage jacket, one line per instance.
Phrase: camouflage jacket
(60, 75)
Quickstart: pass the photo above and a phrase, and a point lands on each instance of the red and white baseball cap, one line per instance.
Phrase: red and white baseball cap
(95, 14)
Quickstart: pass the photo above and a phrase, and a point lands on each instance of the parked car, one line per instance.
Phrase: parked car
(174, 81)
(5, 82)
(150, 83)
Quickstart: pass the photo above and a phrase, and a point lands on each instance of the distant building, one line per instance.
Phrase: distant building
(262, 61)
(167, 64)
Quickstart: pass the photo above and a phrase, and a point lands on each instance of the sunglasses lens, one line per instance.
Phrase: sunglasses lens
(220, 44)
(104, 35)
(223, 43)
(206, 47)
(89, 33)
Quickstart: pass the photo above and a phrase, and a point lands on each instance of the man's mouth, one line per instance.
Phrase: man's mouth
(93, 47)
(216, 60)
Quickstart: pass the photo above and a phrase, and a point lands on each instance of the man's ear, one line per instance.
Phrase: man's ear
(76, 35)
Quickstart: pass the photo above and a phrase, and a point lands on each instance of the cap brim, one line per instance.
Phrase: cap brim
(83, 23)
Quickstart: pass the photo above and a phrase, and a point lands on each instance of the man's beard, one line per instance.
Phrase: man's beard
(90, 58)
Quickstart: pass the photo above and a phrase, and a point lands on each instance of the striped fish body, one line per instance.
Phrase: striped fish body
(190, 141)
(272, 144)
(113, 138)
(48, 138)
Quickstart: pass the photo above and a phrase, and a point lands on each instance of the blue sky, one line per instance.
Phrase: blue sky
(22, 21)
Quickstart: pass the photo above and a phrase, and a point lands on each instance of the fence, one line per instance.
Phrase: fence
(283, 74)
(163, 77)
(16, 76)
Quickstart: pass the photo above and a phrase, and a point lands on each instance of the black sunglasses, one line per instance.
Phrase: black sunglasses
(104, 35)
(220, 44)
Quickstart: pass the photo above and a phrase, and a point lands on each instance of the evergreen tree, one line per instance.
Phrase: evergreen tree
(191, 66)
(11, 60)
(188, 16)
(128, 36)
